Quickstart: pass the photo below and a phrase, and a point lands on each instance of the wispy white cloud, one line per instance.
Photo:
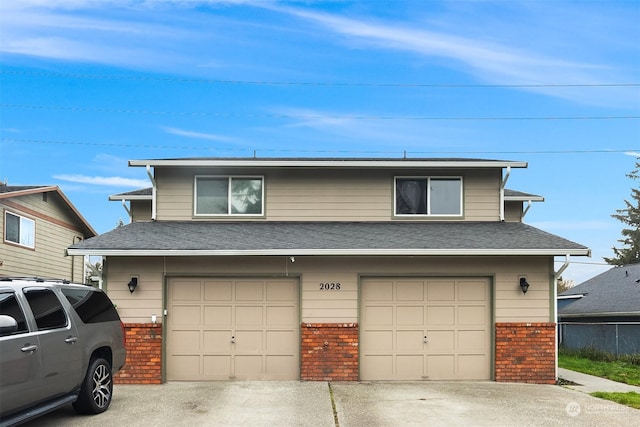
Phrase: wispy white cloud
(197, 135)
(632, 153)
(114, 181)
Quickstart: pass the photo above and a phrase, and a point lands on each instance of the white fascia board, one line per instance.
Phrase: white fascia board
(576, 296)
(330, 163)
(329, 252)
(524, 198)
(116, 198)
(601, 314)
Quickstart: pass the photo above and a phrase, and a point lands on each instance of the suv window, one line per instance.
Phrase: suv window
(9, 306)
(91, 306)
(46, 308)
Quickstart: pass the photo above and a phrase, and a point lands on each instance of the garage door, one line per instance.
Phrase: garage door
(235, 328)
(421, 329)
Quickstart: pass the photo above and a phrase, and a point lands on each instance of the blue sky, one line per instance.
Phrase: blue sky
(87, 85)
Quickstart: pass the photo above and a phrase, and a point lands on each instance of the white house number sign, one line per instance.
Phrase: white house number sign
(333, 286)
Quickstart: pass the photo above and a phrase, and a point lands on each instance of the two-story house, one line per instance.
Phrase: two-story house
(332, 269)
(38, 224)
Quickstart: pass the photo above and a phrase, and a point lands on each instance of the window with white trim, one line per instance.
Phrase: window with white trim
(19, 230)
(229, 195)
(428, 196)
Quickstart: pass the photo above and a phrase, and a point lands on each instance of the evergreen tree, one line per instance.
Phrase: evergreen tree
(630, 216)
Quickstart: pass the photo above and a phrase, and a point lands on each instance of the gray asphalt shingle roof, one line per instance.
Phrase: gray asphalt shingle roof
(299, 238)
(614, 291)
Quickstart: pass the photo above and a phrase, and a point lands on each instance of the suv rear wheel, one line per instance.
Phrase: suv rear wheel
(97, 388)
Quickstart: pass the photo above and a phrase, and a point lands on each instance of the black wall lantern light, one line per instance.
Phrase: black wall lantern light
(524, 285)
(133, 283)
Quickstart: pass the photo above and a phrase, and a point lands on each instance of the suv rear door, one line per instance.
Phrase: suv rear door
(61, 357)
(20, 361)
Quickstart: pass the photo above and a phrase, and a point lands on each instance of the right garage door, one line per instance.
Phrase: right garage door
(425, 329)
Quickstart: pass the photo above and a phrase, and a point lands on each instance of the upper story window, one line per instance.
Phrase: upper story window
(428, 196)
(229, 195)
(19, 230)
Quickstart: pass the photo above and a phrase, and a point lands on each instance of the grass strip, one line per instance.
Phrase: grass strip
(631, 398)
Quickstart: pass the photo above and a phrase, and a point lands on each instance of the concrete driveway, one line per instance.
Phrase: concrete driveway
(349, 404)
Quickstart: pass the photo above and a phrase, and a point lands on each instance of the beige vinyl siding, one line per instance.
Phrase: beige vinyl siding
(48, 258)
(513, 211)
(326, 195)
(326, 306)
(140, 210)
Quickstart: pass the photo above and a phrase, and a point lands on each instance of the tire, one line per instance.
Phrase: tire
(97, 388)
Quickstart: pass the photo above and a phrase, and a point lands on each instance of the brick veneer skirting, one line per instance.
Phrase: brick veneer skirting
(329, 352)
(144, 355)
(525, 352)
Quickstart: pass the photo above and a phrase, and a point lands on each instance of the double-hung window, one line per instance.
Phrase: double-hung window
(229, 195)
(19, 230)
(428, 196)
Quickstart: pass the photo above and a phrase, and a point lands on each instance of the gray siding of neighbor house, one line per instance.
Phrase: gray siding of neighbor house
(55, 230)
(327, 195)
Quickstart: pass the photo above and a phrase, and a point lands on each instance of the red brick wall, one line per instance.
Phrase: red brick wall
(525, 352)
(329, 352)
(144, 355)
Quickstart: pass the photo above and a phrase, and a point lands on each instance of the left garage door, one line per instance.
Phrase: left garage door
(232, 328)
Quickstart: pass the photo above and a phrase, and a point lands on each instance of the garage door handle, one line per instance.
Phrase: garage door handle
(233, 340)
(425, 339)
(29, 348)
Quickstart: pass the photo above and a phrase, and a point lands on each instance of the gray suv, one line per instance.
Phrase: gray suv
(60, 343)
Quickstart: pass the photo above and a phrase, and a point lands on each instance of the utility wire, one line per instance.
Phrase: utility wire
(290, 83)
(304, 116)
(187, 147)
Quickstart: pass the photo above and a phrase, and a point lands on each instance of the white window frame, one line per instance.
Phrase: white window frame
(229, 179)
(23, 222)
(428, 182)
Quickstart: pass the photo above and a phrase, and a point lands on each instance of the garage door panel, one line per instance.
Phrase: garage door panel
(281, 342)
(441, 315)
(472, 341)
(378, 341)
(218, 316)
(409, 316)
(409, 367)
(379, 316)
(281, 316)
(261, 315)
(410, 341)
(217, 342)
(248, 316)
(441, 341)
(249, 291)
(186, 315)
(378, 290)
(441, 290)
(474, 315)
(186, 342)
(473, 366)
(410, 291)
(441, 367)
(454, 315)
(216, 367)
(378, 366)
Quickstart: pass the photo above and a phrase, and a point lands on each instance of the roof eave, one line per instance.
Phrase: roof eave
(601, 314)
(329, 252)
(329, 163)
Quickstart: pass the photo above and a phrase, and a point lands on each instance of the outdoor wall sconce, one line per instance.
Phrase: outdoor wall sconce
(524, 285)
(133, 283)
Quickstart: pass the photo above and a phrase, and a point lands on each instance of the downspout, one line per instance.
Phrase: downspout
(524, 213)
(556, 276)
(153, 193)
(126, 208)
(504, 184)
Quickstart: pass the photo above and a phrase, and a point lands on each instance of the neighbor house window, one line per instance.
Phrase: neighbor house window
(438, 196)
(20, 230)
(233, 195)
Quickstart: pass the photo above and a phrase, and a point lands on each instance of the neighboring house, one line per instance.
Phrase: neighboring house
(38, 224)
(603, 312)
(332, 269)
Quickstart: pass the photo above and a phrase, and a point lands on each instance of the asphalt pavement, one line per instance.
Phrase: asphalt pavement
(353, 404)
